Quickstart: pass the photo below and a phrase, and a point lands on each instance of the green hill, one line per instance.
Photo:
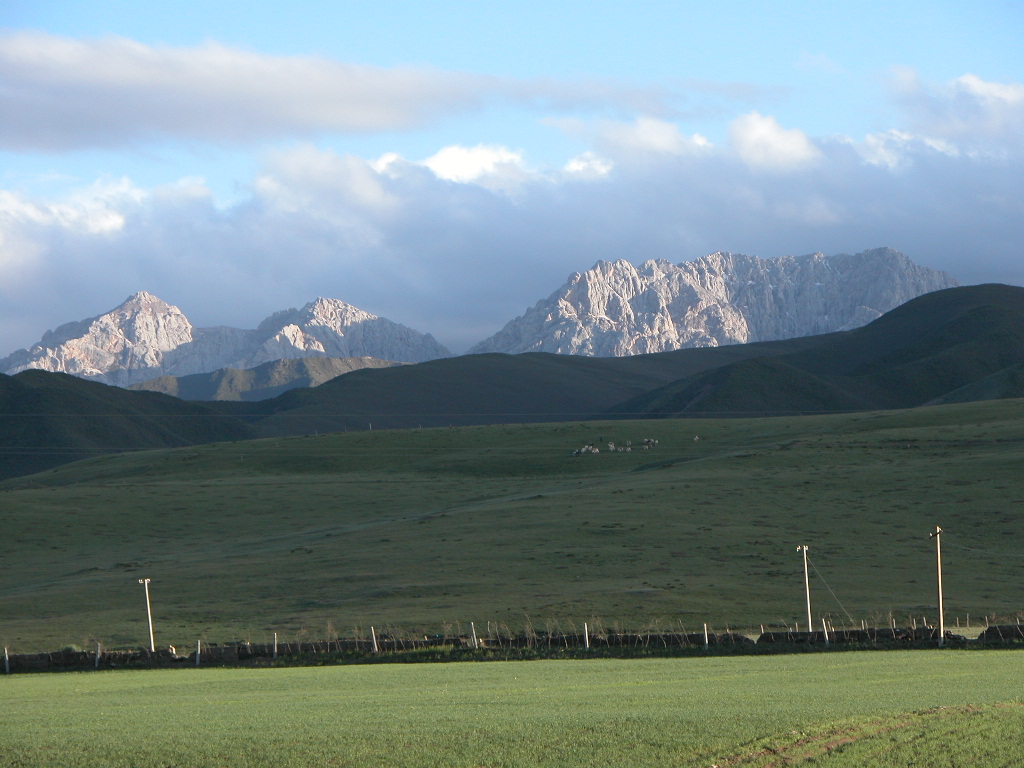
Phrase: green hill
(421, 529)
(922, 352)
(48, 419)
(262, 382)
(949, 346)
(485, 389)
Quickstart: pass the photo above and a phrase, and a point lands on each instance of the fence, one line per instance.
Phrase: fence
(536, 644)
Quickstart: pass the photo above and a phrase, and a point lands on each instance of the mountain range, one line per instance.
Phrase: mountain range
(952, 345)
(145, 338)
(614, 309)
(618, 308)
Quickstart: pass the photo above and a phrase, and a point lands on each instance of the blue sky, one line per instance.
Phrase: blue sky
(446, 164)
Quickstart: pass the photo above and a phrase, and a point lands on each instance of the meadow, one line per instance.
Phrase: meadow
(925, 708)
(429, 529)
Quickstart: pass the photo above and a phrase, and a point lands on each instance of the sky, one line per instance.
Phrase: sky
(448, 164)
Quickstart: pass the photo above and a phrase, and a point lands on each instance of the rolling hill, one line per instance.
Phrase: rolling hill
(951, 345)
(426, 529)
(954, 345)
(482, 389)
(919, 353)
(262, 382)
(47, 419)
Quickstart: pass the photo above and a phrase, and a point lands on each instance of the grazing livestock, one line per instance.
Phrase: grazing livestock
(627, 447)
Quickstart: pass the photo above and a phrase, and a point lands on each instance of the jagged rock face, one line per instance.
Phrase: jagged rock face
(332, 328)
(617, 308)
(146, 337)
(135, 335)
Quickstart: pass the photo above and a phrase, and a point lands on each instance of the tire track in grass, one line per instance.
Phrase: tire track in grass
(813, 747)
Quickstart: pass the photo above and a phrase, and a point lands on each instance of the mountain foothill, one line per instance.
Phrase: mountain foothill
(725, 335)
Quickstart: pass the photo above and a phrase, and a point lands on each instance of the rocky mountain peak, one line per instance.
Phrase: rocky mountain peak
(142, 300)
(616, 308)
(145, 337)
(334, 312)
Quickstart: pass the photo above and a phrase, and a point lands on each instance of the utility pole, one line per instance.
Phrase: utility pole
(807, 586)
(938, 570)
(149, 614)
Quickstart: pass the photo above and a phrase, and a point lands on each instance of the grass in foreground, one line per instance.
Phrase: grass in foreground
(923, 708)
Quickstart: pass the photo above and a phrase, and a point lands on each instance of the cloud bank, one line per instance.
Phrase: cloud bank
(459, 242)
(64, 94)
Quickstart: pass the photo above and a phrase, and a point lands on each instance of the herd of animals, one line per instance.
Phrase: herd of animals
(647, 444)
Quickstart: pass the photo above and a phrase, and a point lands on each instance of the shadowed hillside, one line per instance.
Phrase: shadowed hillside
(262, 382)
(956, 345)
(48, 419)
(484, 389)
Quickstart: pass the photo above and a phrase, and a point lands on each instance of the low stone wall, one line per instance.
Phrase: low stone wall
(526, 645)
(1002, 633)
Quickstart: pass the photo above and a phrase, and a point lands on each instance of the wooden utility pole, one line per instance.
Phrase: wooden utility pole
(938, 570)
(149, 614)
(807, 586)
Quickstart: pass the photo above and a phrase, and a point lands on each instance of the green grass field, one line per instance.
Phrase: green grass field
(421, 529)
(922, 708)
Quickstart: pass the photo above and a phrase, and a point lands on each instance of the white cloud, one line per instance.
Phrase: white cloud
(65, 94)
(589, 165)
(441, 245)
(464, 164)
(763, 144)
(649, 135)
(971, 113)
(308, 179)
(896, 149)
(997, 95)
(95, 209)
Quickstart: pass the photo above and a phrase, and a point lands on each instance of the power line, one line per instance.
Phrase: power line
(985, 551)
(830, 589)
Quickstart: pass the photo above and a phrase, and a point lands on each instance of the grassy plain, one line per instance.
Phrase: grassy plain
(419, 529)
(922, 708)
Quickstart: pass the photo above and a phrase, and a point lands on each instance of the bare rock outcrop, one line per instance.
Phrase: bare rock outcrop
(145, 338)
(618, 308)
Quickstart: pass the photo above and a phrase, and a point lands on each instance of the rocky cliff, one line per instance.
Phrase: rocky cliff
(145, 338)
(617, 308)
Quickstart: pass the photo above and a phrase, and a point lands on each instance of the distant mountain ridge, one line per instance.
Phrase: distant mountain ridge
(953, 345)
(145, 337)
(262, 382)
(614, 309)
(617, 308)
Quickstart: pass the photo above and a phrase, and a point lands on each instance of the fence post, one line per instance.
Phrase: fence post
(199, 650)
(824, 627)
(7, 662)
(97, 656)
(373, 634)
(586, 636)
(472, 628)
(705, 636)
(275, 645)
